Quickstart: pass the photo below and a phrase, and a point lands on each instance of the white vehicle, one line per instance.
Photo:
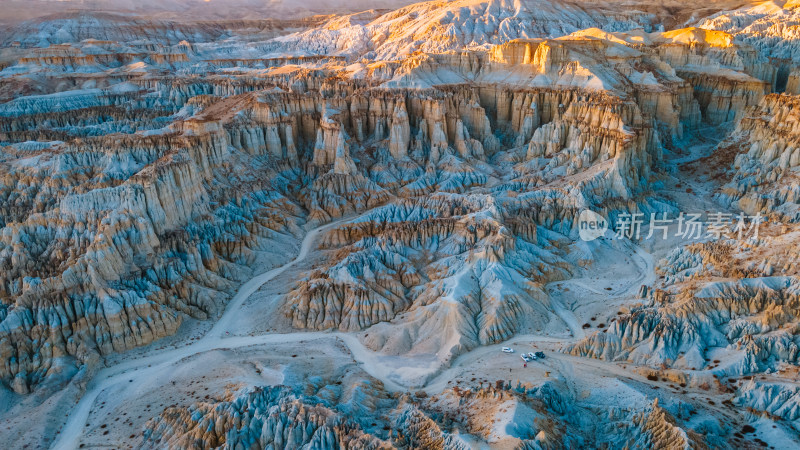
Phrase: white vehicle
(525, 358)
(508, 350)
(532, 356)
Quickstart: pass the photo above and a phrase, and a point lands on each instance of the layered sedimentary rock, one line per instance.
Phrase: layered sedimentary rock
(133, 240)
(726, 76)
(436, 27)
(143, 178)
(328, 146)
(657, 428)
(793, 82)
(766, 159)
(415, 252)
(129, 250)
(721, 98)
(347, 151)
(778, 399)
(478, 250)
(321, 414)
(267, 417)
(767, 27)
(753, 317)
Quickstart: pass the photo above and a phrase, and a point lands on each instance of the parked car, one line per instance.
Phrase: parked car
(508, 350)
(540, 355)
(525, 358)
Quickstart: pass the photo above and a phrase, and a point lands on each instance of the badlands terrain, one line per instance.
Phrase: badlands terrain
(256, 225)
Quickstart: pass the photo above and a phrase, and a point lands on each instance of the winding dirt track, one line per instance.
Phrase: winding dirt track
(159, 363)
(133, 372)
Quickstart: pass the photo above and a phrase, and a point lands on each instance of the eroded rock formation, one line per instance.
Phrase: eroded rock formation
(147, 168)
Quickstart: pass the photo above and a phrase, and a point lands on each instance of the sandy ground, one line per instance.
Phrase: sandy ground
(120, 412)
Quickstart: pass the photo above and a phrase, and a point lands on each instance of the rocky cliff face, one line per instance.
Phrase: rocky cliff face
(676, 328)
(132, 244)
(775, 398)
(768, 27)
(270, 417)
(316, 416)
(467, 256)
(766, 161)
(437, 27)
(143, 229)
